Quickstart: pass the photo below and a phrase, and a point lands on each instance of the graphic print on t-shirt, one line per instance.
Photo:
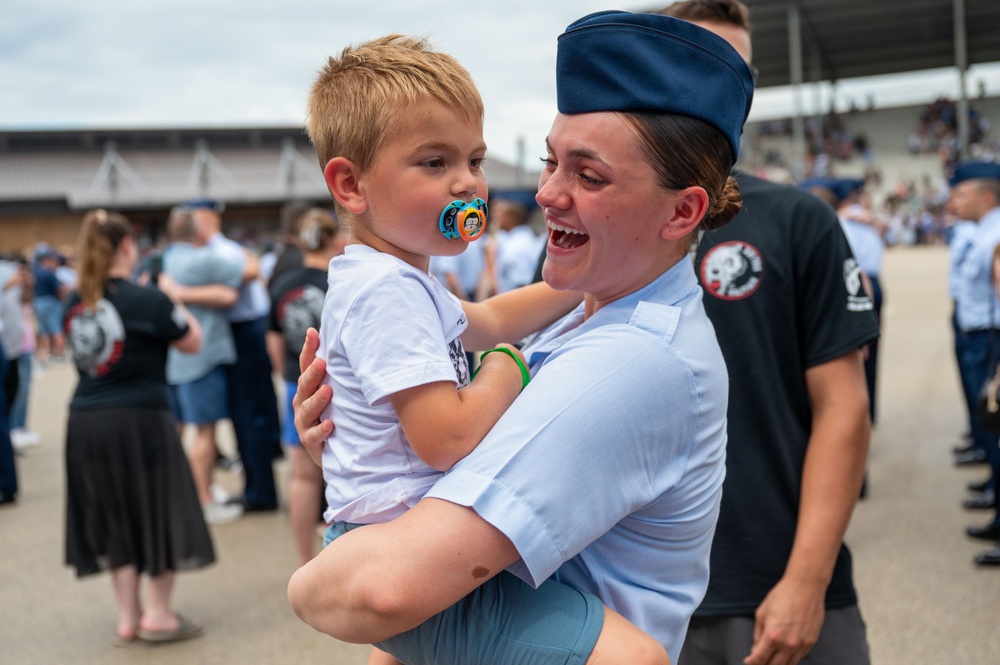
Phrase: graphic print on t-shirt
(732, 270)
(857, 298)
(299, 310)
(457, 354)
(97, 337)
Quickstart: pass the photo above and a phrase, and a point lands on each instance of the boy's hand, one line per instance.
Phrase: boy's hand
(311, 397)
(494, 360)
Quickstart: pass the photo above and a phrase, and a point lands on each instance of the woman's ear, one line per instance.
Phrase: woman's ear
(690, 206)
(343, 180)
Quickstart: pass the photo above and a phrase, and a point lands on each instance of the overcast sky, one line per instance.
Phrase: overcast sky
(223, 63)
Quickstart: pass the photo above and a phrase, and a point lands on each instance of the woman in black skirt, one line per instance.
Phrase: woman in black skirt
(131, 503)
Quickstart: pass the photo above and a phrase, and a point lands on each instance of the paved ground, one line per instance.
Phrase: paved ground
(923, 599)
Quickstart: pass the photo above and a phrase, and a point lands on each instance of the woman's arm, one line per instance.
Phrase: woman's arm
(191, 341)
(383, 579)
(209, 295)
(275, 342)
(513, 315)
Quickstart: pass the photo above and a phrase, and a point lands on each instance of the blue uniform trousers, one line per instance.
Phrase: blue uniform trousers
(253, 406)
(975, 365)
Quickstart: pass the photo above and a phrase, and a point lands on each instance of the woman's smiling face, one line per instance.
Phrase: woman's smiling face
(603, 209)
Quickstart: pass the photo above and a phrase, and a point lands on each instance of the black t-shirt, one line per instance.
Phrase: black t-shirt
(288, 257)
(296, 304)
(784, 293)
(120, 346)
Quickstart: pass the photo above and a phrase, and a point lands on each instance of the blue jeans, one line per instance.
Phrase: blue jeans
(19, 410)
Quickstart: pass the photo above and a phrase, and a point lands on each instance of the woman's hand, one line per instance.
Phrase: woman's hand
(311, 397)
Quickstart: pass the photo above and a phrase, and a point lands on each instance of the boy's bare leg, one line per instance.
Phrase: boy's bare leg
(621, 642)
(379, 657)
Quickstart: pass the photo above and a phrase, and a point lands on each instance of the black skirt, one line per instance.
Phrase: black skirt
(130, 496)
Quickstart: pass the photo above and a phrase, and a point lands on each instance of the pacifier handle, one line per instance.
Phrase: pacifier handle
(464, 220)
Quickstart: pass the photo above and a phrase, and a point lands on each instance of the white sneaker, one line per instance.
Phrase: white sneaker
(22, 438)
(220, 495)
(222, 513)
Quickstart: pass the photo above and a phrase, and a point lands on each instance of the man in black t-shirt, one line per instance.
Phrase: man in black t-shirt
(785, 295)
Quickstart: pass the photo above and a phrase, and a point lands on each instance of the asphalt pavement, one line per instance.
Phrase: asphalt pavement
(921, 596)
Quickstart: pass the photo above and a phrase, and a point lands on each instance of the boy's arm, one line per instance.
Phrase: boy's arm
(515, 314)
(443, 425)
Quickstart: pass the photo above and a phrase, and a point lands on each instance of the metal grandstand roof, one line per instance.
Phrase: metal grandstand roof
(852, 38)
(158, 168)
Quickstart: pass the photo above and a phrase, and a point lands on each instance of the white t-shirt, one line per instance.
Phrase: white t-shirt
(386, 327)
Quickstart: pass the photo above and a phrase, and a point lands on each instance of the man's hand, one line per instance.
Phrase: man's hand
(787, 623)
(311, 397)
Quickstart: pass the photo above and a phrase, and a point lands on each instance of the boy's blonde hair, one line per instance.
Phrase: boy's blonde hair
(358, 97)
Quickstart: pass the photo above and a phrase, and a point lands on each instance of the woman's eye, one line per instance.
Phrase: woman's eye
(549, 162)
(590, 181)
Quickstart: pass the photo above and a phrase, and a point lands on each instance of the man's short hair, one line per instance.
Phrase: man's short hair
(357, 98)
(732, 12)
(181, 226)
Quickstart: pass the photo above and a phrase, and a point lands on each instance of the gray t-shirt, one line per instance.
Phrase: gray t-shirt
(201, 266)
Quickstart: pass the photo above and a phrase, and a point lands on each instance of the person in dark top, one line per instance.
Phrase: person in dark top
(48, 306)
(131, 505)
(791, 315)
(296, 305)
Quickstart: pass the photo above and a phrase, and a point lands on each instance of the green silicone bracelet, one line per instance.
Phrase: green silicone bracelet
(525, 376)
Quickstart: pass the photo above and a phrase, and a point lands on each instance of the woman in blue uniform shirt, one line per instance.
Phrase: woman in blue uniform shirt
(605, 475)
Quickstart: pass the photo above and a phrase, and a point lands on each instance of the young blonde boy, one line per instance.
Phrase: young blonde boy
(398, 129)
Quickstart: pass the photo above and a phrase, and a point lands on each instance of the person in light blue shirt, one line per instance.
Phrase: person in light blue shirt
(975, 196)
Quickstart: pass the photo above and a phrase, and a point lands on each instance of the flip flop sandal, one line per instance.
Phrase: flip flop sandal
(185, 630)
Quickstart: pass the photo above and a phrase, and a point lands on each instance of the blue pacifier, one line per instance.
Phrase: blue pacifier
(463, 220)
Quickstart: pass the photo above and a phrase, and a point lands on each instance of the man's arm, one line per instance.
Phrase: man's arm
(789, 620)
(383, 579)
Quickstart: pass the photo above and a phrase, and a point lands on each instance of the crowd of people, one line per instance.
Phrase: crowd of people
(506, 439)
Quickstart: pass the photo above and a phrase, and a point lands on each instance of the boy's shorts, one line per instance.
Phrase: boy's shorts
(203, 401)
(503, 622)
(288, 433)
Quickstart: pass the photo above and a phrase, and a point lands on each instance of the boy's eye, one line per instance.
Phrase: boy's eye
(476, 162)
(435, 163)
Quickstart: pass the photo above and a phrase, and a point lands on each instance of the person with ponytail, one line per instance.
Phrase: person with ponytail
(131, 504)
(579, 529)
(296, 305)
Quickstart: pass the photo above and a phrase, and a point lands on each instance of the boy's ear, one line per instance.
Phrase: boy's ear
(343, 180)
(689, 208)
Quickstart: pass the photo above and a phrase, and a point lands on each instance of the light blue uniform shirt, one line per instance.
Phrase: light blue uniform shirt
(961, 241)
(976, 297)
(253, 303)
(198, 266)
(866, 245)
(607, 470)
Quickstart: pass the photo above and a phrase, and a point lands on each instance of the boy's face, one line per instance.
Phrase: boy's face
(433, 157)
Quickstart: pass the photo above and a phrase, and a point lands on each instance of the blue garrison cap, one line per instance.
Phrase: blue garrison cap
(211, 204)
(619, 61)
(973, 170)
(841, 188)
